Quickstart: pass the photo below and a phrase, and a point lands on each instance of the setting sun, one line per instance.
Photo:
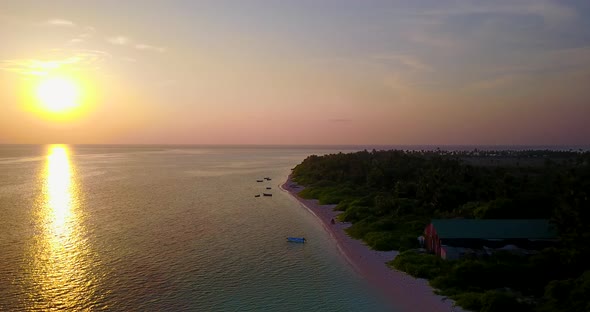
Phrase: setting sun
(58, 94)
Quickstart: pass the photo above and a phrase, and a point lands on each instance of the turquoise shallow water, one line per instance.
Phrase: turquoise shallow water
(128, 228)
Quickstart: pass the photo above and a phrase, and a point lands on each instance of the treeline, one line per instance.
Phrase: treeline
(390, 196)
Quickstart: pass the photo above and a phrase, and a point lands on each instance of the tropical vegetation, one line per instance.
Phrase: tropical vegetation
(390, 196)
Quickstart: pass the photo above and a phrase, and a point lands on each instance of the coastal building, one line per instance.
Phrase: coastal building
(454, 238)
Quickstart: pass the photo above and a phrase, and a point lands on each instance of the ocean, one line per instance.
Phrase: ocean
(165, 228)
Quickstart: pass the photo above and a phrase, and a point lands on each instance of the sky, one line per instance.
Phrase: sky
(299, 72)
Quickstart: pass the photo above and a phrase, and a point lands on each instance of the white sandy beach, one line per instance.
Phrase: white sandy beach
(405, 291)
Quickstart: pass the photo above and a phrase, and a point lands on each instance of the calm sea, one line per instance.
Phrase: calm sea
(161, 228)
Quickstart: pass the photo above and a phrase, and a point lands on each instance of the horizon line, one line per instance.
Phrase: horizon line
(304, 145)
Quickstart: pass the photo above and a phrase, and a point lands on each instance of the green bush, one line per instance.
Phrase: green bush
(419, 265)
(327, 195)
(365, 201)
(568, 295)
(502, 301)
(310, 193)
(356, 214)
(380, 240)
(500, 208)
(470, 300)
(407, 241)
(491, 301)
(359, 229)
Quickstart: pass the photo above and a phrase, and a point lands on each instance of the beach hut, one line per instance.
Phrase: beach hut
(451, 238)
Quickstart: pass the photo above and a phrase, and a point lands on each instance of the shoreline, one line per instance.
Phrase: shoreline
(402, 290)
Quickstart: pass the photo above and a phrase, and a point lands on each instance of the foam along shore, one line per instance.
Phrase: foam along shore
(405, 292)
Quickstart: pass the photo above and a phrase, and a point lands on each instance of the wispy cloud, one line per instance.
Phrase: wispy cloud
(396, 82)
(118, 40)
(147, 47)
(550, 11)
(129, 59)
(61, 22)
(499, 82)
(536, 67)
(126, 41)
(435, 41)
(408, 61)
(443, 27)
(63, 60)
(87, 33)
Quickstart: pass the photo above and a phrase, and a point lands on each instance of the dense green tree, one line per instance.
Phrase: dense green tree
(390, 196)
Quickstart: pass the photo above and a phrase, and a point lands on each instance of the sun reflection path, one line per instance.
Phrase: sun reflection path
(61, 266)
(59, 189)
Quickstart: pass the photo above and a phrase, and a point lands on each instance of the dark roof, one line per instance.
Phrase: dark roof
(494, 229)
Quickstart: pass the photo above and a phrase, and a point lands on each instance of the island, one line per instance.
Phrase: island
(488, 230)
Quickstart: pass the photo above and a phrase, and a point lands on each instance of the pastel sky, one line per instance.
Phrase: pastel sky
(301, 72)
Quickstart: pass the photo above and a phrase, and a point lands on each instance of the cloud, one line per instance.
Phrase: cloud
(408, 61)
(431, 40)
(395, 81)
(550, 11)
(125, 41)
(571, 58)
(499, 82)
(147, 47)
(129, 59)
(61, 22)
(70, 60)
(536, 67)
(118, 40)
(443, 26)
(88, 32)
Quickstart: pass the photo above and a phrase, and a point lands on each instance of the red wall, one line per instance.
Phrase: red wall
(431, 240)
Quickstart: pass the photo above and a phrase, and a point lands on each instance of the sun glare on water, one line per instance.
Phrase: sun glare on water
(58, 95)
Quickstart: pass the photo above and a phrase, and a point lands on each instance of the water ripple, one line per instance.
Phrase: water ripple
(135, 232)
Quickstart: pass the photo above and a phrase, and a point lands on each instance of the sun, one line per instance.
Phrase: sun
(58, 95)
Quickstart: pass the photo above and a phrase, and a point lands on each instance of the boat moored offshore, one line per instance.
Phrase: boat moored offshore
(296, 239)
